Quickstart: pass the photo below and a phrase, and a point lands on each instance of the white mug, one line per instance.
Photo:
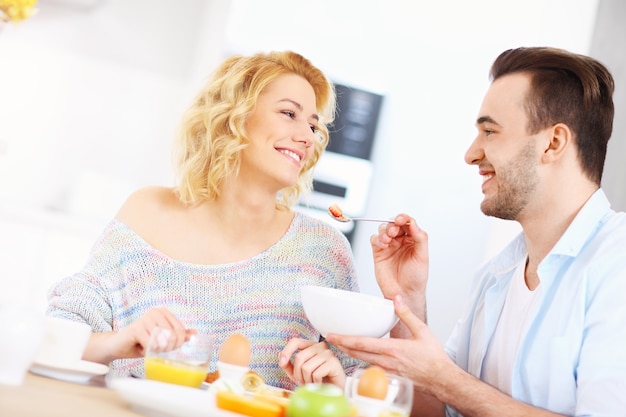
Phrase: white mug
(21, 334)
(64, 342)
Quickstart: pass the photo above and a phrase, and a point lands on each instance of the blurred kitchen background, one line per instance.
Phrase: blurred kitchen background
(91, 92)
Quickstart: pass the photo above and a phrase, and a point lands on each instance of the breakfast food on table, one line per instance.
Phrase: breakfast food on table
(174, 372)
(375, 393)
(212, 377)
(319, 400)
(186, 365)
(309, 400)
(253, 406)
(232, 364)
(254, 383)
(241, 390)
(236, 350)
(233, 373)
(373, 383)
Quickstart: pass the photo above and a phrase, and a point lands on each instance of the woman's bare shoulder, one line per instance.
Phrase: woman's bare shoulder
(145, 206)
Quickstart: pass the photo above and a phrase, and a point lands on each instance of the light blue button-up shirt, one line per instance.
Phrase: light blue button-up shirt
(572, 355)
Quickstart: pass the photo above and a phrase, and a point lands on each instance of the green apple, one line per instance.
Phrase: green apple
(318, 400)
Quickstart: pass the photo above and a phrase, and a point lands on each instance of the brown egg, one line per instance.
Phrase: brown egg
(235, 350)
(373, 383)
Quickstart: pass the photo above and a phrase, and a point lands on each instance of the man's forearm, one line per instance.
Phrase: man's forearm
(475, 398)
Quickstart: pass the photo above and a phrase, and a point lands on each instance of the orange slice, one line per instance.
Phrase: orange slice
(249, 406)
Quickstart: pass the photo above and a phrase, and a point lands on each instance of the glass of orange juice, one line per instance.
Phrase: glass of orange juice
(187, 365)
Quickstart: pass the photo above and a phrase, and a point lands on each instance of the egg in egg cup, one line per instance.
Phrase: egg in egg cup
(374, 392)
(233, 364)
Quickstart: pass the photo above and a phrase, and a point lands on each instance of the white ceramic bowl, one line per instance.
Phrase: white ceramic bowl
(331, 310)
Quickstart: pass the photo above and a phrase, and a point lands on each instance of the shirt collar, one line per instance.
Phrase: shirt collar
(588, 218)
(582, 227)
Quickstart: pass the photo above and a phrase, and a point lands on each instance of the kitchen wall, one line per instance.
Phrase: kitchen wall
(91, 92)
(90, 97)
(608, 46)
(431, 61)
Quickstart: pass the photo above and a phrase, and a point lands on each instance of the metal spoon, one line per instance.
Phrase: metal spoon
(345, 219)
(336, 213)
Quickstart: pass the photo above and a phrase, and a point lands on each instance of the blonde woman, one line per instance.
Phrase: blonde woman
(222, 252)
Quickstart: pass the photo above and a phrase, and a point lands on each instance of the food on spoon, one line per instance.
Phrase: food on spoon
(253, 406)
(336, 211)
(235, 350)
(373, 383)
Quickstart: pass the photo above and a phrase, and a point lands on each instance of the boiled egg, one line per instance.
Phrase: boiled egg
(235, 350)
(373, 383)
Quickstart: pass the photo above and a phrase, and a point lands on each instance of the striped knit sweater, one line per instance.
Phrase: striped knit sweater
(258, 297)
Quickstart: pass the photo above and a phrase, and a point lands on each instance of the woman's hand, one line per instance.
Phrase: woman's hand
(312, 362)
(132, 340)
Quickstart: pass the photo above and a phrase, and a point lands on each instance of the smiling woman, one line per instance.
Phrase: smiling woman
(296, 93)
(222, 252)
(281, 132)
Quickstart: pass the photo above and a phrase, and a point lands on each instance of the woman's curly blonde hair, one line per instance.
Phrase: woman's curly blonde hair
(213, 134)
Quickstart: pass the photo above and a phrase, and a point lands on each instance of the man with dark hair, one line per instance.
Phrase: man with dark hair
(544, 329)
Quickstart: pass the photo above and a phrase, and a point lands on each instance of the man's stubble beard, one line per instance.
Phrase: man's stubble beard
(516, 185)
